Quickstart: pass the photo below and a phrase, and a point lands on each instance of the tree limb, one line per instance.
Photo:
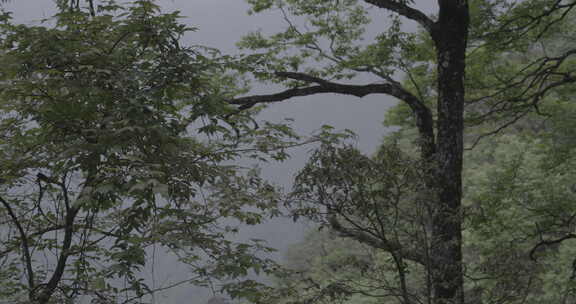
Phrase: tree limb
(355, 90)
(50, 287)
(423, 115)
(405, 11)
(25, 244)
(374, 242)
(33, 235)
(549, 243)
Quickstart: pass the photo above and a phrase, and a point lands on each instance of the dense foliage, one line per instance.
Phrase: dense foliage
(519, 208)
(117, 141)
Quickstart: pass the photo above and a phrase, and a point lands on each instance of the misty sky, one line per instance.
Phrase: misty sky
(220, 24)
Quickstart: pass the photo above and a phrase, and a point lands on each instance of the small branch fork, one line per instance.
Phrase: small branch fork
(375, 242)
(25, 244)
(405, 11)
(546, 243)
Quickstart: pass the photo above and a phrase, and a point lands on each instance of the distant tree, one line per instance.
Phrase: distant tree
(519, 207)
(372, 201)
(115, 140)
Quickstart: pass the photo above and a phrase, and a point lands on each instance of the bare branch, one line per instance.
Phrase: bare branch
(405, 11)
(549, 243)
(25, 244)
(374, 242)
(50, 287)
(527, 23)
(355, 90)
(422, 113)
(534, 82)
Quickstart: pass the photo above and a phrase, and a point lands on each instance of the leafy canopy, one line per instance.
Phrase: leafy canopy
(116, 139)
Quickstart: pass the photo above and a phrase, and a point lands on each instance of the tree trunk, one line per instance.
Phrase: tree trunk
(450, 35)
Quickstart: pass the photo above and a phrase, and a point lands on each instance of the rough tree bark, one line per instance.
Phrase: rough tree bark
(450, 34)
(441, 142)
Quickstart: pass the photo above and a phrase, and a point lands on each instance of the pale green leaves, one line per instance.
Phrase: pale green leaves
(114, 134)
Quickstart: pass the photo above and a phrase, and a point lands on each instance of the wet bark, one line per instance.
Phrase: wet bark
(450, 35)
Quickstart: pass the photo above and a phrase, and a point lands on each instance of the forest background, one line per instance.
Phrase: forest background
(84, 184)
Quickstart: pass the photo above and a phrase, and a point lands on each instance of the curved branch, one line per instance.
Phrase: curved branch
(549, 243)
(327, 87)
(423, 115)
(25, 244)
(405, 11)
(49, 288)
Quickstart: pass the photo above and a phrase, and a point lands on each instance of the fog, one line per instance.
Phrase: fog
(221, 23)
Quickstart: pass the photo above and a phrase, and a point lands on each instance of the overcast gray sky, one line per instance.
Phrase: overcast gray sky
(221, 23)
